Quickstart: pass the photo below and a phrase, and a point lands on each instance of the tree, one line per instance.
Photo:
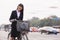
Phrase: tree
(34, 22)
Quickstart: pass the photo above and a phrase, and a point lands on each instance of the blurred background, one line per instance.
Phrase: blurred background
(39, 12)
(42, 14)
(32, 8)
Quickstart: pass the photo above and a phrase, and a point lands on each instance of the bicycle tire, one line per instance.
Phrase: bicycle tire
(24, 37)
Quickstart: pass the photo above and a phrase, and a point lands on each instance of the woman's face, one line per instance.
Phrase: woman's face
(19, 8)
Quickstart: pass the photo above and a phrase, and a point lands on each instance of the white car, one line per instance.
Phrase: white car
(49, 30)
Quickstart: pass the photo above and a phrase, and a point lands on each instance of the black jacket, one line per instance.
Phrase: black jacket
(14, 16)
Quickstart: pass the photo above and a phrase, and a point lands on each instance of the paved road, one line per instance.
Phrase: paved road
(33, 36)
(38, 36)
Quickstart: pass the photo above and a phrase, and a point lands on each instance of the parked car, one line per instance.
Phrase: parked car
(48, 30)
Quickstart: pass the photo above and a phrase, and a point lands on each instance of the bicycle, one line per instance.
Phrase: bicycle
(23, 34)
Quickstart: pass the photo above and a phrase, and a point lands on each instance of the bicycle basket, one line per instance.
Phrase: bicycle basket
(22, 26)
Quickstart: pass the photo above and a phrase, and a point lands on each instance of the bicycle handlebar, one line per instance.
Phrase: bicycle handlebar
(16, 20)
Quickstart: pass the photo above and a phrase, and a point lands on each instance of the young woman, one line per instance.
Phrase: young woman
(16, 15)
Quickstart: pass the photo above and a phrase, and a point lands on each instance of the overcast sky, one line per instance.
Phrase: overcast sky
(32, 8)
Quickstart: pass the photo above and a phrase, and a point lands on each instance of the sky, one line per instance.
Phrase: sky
(32, 8)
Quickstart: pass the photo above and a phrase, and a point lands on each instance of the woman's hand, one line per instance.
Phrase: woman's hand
(12, 20)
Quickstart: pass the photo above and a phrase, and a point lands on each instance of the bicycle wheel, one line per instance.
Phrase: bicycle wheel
(8, 37)
(24, 37)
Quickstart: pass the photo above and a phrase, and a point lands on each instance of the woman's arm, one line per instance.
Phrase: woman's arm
(11, 19)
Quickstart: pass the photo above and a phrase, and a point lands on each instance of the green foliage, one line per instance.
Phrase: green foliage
(52, 21)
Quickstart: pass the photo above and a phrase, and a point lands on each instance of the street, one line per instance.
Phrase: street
(33, 36)
(38, 36)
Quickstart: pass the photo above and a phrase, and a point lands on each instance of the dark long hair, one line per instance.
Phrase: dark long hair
(21, 10)
(22, 7)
